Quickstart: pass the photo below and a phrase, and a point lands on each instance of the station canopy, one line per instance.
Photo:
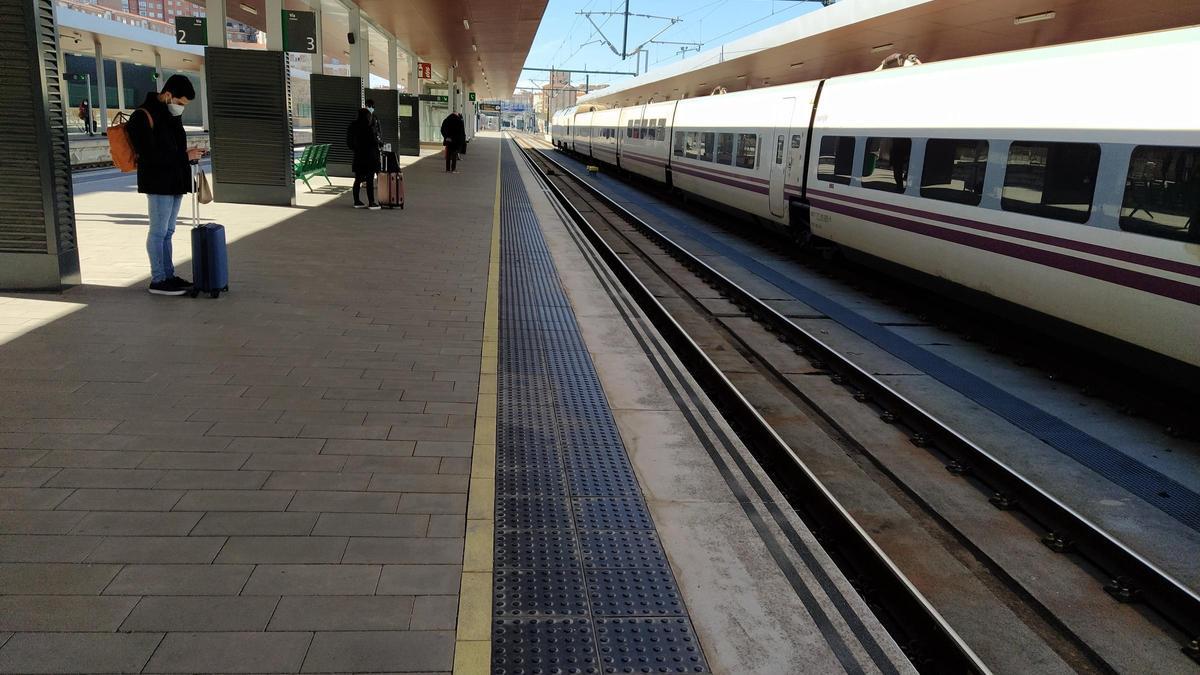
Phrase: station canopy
(488, 39)
(856, 35)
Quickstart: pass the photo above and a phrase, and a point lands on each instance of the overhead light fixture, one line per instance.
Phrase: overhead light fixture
(882, 48)
(796, 64)
(186, 60)
(248, 9)
(466, 24)
(742, 76)
(1030, 18)
(136, 49)
(474, 46)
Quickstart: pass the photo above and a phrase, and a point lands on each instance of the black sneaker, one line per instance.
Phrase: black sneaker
(166, 287)
(359, 205)
(374, 207)
(180, 282)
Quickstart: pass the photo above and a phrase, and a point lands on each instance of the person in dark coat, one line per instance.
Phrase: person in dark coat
(454, 135)
(85, 114)
(362, 141)
(164, 173)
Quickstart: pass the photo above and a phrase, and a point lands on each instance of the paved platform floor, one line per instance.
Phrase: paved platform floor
(274, 481)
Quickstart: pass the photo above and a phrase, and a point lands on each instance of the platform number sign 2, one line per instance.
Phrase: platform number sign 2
(299, 32)
(191, 30)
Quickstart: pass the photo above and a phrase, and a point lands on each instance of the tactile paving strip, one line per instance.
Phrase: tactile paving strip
(581, 583)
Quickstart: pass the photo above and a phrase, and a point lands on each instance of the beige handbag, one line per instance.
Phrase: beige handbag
(204, 193)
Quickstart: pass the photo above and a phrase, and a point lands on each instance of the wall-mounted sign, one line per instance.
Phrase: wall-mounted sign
(471, 96)
(489, 107)
(191, 30)
(299, 32)
(435, 98)
(424, 70)
(76, 77)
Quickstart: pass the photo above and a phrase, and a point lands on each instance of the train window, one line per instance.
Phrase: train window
(629, 129)
(747, 151)
(779, 149)
(1051, 180)
(679, 141)
(885, 165)
(691, 147)
(707, 145)
(1162, 193)
(836, 161)
(651, 130)
(797, 139)
(724, 149)
(954, 170)
(662, 129)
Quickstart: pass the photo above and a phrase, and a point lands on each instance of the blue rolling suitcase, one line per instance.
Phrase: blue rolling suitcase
(210, 259)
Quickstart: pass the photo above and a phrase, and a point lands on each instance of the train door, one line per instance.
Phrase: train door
(779, 145)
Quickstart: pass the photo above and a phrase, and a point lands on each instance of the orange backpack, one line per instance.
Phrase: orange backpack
(124, 157)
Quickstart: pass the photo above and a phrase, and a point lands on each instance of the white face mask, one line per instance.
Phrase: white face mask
(372, 110)
(175, 109)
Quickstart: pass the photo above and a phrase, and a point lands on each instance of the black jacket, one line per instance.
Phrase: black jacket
(361, 139)
(163, 167)
(453, 129)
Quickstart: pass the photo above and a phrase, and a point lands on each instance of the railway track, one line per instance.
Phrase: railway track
(967, 538)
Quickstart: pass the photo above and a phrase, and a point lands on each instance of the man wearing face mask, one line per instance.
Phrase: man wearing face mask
(164, 174)
(375, 128)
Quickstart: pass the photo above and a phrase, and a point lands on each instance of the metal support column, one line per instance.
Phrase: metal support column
(274, 22)
(393, 67)
(318, 59)
(450, 80)
(360, 43)
(215, 11)
(101, 90)
(204, 97)
(120, 86)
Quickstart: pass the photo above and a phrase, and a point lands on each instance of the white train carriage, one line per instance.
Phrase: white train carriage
(606, 127)
(581, 132)
(646, 139)
(1030, 176)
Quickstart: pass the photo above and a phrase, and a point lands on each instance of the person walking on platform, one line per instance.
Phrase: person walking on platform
(454, 134)
(85, 114)
(375, 127)
(164, 174)
(363, 142)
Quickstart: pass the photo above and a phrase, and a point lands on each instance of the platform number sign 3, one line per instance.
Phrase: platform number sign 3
(191, 30)
(299, 32)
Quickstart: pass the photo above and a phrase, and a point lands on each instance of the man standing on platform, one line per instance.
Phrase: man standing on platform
(454, 135)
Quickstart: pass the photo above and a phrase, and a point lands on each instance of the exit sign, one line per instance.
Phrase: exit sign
(191, 30)
(424, 70)
(471, 96)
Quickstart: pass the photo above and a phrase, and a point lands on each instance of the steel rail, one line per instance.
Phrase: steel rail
(1132, 578)
(932, 644)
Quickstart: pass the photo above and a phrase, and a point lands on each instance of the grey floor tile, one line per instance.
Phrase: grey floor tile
(55, 578)
(153, 550)
(433, 503)
(184, 479)
(138, 523)
(32, 499)
(386, 465)
(371, 525)
(435, 612)
(238, 652)
(91, 499)
(283, 550)
(443, 525)
(380, 651)
(345, 502)
(77, 652)
(424, 483)
(252, 523)
(234, 500)
(356, 612)
(404, 551)
(63, 613)
(196, 614)
(313, 580)
(39, 522)
(419, 579)
(45, 548)
(317, 480)
(179, 580)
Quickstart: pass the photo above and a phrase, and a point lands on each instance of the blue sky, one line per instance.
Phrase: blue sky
(563, 37)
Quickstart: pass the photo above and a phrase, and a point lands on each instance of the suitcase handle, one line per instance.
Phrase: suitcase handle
(195, 202)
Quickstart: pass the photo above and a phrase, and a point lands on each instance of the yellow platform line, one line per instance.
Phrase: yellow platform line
(473, 641)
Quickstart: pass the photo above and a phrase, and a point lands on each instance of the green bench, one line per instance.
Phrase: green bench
(312, 163)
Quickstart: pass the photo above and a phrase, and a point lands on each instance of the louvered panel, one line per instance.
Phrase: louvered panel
(336, 100)
(250, 125)
(37, 215)
(386, 105)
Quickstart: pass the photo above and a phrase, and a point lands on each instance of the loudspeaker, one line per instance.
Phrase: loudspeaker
(350, 37)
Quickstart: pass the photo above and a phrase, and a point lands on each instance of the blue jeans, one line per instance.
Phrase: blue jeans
(164, 210)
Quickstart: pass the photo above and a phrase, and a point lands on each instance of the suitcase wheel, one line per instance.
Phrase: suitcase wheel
(193, 293)
(214, 294)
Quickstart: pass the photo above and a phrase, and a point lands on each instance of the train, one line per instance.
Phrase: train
(1061, 183)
